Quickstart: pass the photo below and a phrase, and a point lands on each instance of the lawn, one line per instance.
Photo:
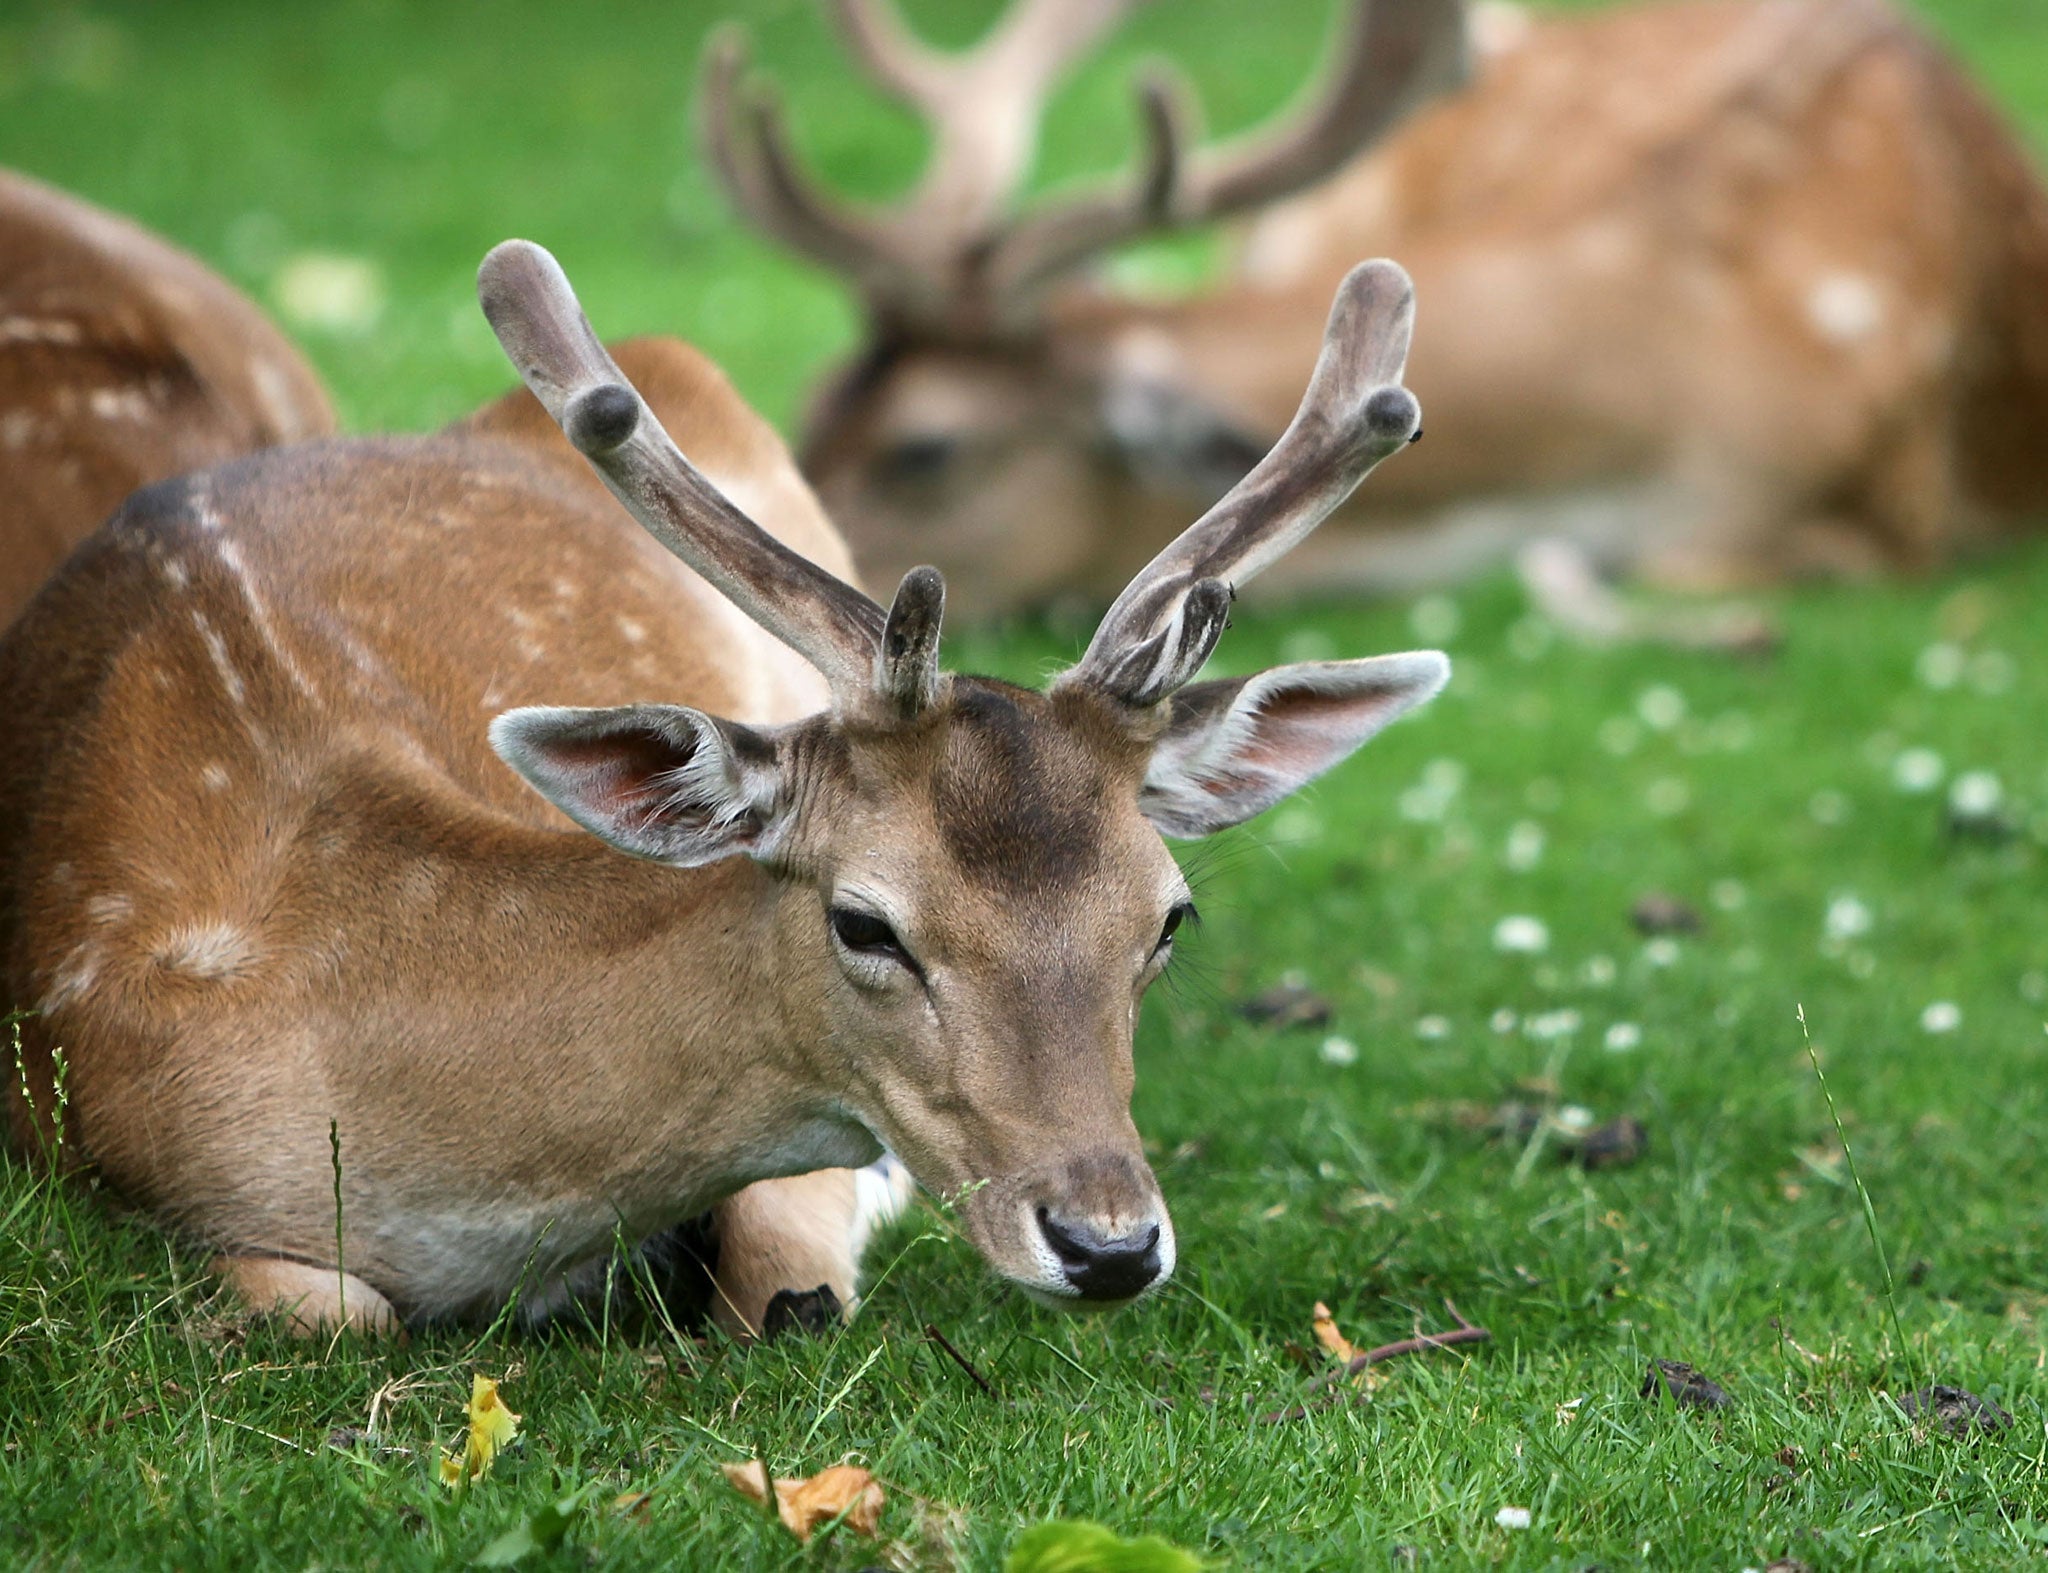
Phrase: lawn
(1461, 894)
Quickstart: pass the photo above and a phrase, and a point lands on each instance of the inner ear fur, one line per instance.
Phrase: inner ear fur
(662, 782)
(1234, 748)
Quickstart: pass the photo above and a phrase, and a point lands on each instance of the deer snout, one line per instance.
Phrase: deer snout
(1101, 1265)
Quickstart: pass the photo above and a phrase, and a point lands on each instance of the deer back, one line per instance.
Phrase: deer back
(123, 361)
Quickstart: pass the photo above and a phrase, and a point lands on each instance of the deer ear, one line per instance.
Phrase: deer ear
(1234, 748)
(658, 781)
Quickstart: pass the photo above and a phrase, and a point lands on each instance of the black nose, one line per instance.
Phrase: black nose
(1102, 1268)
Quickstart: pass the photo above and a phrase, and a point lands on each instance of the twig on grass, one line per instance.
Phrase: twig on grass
(932, 1332)
(1466, 1332)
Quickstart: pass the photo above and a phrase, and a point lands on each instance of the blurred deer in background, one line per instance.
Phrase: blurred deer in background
(123, 361)
(1720, 291)
(260, 870)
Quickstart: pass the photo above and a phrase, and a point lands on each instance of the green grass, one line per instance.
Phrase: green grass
(143, 1424)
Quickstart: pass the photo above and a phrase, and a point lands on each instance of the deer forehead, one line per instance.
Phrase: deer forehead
(1016, 793)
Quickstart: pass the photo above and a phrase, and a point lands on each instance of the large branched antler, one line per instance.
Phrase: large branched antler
(952, 259)
(861, 654)
(1158, 633)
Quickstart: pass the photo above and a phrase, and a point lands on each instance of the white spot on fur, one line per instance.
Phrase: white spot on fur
(631, 631)
(217, 650)
(39, 330)
(203, 510)
(113, 907)
(213, 775)
(259, 616)
(1844, 307)
(119, 404)
(176, 574)
(75, 974)
(208, 950)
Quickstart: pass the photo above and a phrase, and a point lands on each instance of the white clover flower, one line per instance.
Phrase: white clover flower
(1512, 1518)
(1296, 825)
(1338, 1051)
(333, 293)
(1941, 1016)
(1432, 1027)
(1940, 666)
(1444, 775)
(1661, 951)
(1729, 895)
(1525, 846)
(1918, 770)
(1622, 1037)
(1521, 935)
(1667, 795)
(1574, 1119)
(1552, 1024)
(1503, 1020)
(1661, 708)
(1847, 918)
(1599, 971)
(1977, 794)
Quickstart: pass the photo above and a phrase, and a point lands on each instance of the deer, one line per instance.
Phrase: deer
(403, 1035)
(1724, 293)
(123, 361)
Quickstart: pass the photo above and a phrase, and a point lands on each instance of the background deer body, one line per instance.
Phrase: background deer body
(123, 361)
(1720, 291)
(259, 869)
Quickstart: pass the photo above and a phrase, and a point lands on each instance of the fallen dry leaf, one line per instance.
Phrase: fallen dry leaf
(805, 1504)
(1330, 1338)
(491, 1427)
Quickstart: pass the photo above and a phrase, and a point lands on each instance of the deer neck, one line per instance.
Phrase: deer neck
(655, 1036)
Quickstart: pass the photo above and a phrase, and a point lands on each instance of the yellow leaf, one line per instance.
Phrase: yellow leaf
(1327, 1335)
(805, 1504)
(491, 1427)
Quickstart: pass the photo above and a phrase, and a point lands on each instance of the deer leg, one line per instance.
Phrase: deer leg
(310, 1300)
(790, 1239)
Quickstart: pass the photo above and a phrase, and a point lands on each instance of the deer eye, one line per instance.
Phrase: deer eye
(867, 935)
(1179, 915)
(918, 460)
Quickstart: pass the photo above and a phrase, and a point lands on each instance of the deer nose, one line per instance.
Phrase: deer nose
(1099, 1266)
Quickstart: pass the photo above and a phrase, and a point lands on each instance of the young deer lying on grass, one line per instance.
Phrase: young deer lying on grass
(259, 870)
(1720, 290)
(122, 361)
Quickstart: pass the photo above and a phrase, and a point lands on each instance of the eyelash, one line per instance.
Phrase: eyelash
(1184, 913)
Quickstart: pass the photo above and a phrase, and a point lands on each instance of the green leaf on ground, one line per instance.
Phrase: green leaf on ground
(1082, 1547)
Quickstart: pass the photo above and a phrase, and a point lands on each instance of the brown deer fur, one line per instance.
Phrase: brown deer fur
(1720, 290)
(123, 361)
(260, 869)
